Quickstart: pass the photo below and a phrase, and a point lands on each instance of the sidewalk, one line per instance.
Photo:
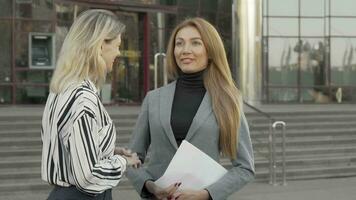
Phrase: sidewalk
(322, 189)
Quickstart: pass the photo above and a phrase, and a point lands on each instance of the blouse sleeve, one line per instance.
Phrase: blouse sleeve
(92, 173)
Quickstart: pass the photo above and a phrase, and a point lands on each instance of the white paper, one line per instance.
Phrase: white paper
(192, 167)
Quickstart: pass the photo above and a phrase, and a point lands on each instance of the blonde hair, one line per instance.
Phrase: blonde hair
(80, 56)
(218, 81)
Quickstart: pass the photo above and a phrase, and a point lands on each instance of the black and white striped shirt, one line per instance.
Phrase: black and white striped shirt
(78, 139)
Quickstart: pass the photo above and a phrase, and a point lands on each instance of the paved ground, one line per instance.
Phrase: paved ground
(322, 189)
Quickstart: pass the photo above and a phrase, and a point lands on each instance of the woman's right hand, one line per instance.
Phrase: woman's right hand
(133, 160)
(161, 193)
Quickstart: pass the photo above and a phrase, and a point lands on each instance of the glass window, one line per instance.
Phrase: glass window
(343, 7)
(312, 27)
(344, 27)
(188, 4)
(312, 8)
(312, 62)
(343, 61)
(5, 51)
(186, 13)
(39, 9)
(264, 7)
(5, 94)
(283, 27)
(21, 50)
(265, 30)
(283, 61)
(283, 95)
(33, 26)
(128, 71)
(214, 6)
(283, 8)
(31, 94)
(317, 95)
(210, 17)
(5, 8)
(34, 76)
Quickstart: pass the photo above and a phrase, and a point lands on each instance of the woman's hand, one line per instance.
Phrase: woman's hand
(161, 193)
(122, 151)
(191, 195)
(133, 160)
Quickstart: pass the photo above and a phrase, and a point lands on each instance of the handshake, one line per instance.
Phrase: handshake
(131, 158)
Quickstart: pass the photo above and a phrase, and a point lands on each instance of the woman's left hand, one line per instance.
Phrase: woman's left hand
(190, 195)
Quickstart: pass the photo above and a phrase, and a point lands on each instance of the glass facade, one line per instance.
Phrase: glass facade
(149, 24)
(309, 51)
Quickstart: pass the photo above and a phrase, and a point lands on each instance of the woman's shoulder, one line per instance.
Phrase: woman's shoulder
(168, 87)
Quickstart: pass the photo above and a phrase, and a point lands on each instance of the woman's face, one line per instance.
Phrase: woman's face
(110, 50)
(189, 50)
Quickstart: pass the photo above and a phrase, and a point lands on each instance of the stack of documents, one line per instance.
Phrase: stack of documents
(192, 167)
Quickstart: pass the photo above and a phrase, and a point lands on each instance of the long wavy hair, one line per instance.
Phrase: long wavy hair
(226, 98)
(80, 56)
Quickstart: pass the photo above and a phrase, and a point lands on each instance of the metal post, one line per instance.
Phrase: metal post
(274, 126)
(156, 68)
(284, 154)
(270, 141)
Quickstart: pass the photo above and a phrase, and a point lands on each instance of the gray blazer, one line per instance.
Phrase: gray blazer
(153, 130)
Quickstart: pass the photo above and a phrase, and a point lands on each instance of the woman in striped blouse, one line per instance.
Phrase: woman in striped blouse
(79, 156)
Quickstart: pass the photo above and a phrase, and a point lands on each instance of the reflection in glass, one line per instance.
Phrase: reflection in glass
(312, 62)
(5, 95)
(321, 95)
(343, 26)
(127, 73)
(312, 8)
(283, 7)
(343, 61)
(31, 95)
(283, 61)
(5, 51)
(283, 95)
(34, 76)
(33, 26)
(343, 7)
(283, 27)
(21, 50)
(6, 8)
(312, 27)
(39, 9)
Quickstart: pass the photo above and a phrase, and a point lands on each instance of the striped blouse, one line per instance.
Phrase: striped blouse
(78, 139)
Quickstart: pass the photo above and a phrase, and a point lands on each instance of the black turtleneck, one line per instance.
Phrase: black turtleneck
(188, 95)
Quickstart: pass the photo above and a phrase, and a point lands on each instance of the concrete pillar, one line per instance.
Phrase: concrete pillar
(249, 30)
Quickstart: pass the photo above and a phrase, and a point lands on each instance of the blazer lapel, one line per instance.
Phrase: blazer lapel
(165, 109)
(203, 112)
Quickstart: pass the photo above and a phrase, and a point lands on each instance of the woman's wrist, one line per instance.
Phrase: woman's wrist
(205, 194)
(150, 186)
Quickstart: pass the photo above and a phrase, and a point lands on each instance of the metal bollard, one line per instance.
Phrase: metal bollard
(274, 126)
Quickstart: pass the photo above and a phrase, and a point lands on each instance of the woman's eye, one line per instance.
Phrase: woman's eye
(179, 43)
(196, 43)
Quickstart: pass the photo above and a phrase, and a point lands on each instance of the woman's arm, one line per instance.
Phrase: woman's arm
(140, 142)
(243, 170)
(92, 173)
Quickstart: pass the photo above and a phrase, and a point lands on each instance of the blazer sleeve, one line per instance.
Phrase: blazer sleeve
(243, 170)
(140, 142)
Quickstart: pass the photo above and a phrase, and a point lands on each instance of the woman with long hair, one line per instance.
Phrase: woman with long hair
(79, 156)
(202, 106)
